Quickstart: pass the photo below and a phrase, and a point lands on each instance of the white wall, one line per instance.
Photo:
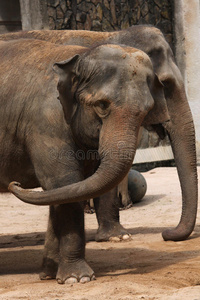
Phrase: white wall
(34, 14)
(187, 32)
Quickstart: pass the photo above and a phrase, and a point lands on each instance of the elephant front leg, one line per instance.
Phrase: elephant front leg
(107, 212)
(65, 246)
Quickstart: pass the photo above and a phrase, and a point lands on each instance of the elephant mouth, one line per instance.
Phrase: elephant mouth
(159, 129)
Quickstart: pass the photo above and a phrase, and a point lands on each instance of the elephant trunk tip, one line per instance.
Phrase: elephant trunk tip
(13, 185)
(176, 234)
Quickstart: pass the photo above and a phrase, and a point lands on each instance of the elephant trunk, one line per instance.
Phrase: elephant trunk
(182, 136)
(116, 160)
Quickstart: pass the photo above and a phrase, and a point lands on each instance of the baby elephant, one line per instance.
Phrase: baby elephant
(76, 148)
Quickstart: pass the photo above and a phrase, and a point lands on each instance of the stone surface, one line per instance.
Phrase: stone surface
(88, 23)
(51, 12)
(59, 13)
(53, 3)
(110, 15)
(63, 6)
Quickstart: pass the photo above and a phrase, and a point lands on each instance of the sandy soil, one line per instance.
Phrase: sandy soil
(144, 267)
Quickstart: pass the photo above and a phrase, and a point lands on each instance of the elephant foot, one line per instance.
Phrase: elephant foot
(49, 269)
(115, 232)
(88, 209)
(126, 207)
(74, 272)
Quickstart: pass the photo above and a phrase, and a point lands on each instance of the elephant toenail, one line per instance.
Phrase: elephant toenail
(60, 281)
(93, 277)
(71, 280)
(126, 237)
(84, 279)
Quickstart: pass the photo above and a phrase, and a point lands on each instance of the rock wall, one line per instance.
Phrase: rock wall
(110, 15)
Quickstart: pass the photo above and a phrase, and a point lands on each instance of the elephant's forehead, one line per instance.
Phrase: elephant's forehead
(119, 49)
(153, 30)
(157, 40)
(110, 51)
(137, 63)
(128, 57)
(137, 57)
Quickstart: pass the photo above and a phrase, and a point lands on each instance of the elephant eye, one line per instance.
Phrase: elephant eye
(149, 81)
(155, 52)
(102, 108)
(102, 104)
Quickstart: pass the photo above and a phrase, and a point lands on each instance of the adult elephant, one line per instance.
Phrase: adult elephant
(180, 128)
(105, 94)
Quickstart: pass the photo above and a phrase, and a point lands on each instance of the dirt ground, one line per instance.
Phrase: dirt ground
(144, 267)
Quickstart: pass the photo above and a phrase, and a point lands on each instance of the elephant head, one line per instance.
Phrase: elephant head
(106, 93)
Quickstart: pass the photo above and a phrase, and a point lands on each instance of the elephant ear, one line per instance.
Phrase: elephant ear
(66, 85)
(159, 113)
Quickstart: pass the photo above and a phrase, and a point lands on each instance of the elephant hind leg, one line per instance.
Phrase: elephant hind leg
(123, 192)
(107, 212)
(51, 249)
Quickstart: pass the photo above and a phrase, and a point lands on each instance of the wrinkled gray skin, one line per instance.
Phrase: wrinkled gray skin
(105, 94)
(180, 128)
